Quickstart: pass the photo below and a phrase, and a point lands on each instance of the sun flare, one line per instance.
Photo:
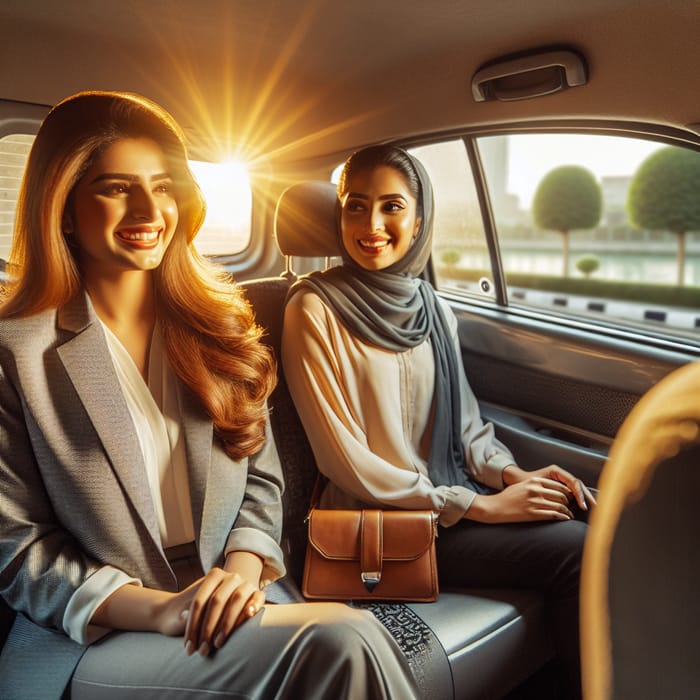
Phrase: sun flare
(227, 191)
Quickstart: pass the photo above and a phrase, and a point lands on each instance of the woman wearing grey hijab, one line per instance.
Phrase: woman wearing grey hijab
(372, 359)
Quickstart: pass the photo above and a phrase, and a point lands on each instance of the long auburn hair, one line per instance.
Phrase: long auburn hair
(211, 338)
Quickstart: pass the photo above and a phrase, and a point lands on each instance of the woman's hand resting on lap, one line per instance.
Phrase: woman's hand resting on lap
(206, 612)
(213, 605)
(209, 610)
(223, 600)
(543, 494)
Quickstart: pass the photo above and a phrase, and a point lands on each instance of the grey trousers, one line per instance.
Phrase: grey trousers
(303, 651)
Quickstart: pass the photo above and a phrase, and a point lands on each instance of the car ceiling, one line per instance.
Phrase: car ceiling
(297, 79)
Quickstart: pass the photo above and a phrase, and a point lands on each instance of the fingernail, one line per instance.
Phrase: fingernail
(184, 614)
(189, 647)
(219, 640)
(251, 610)
(204, 649)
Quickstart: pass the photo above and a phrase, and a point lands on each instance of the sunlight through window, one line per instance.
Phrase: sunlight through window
(226, 188)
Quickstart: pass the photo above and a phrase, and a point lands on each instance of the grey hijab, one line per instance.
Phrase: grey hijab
(395, 310)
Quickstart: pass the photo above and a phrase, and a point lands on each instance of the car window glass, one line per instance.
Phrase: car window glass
(14, 150)
(226, 187)
(227, 226)
(605, 227)
(460, 252)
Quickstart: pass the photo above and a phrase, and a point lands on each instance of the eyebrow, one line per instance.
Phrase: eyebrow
(129, 178)
(359, 195)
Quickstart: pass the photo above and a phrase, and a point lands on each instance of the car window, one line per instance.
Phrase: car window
(459, 240)
(226, 187)
(606, 227)
(227, 226)
(14, 150)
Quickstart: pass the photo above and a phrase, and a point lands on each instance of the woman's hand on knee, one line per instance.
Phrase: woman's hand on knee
(219, 602)
(577, 489)
(535, 498)
(172, 612)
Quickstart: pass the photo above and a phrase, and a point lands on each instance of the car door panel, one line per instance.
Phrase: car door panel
(536, 446)
(556, 394)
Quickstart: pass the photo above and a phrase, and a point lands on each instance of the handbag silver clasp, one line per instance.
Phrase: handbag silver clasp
(370, 579)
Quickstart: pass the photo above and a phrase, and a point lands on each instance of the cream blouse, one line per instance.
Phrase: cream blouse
(367, 413)
(156, 417)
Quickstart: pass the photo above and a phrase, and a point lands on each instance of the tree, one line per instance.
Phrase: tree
(587, 265)
(449, 259)
(567, 198)
(664, 195)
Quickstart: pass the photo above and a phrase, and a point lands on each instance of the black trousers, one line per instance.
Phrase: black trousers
(544, 556)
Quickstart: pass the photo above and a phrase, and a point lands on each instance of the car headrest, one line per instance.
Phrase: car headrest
(641, 547)
(305, 220)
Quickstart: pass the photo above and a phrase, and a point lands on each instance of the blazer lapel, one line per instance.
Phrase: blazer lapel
(87, 361)
(198, 432)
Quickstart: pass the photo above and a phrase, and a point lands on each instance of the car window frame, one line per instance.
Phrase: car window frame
(662, 338)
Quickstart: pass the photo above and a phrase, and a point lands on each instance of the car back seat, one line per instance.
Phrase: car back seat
(470, 644)
(7, 616)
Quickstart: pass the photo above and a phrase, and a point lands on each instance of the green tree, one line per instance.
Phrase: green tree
(449, 259)
(587, 265)
(567, 198)
(664, 195)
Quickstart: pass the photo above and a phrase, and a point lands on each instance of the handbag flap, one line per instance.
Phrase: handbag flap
(336, 534)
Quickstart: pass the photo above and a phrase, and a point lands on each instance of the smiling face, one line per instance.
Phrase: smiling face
(124, 212)
(379, 218)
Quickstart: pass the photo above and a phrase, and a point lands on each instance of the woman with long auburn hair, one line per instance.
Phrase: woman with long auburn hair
(208, 328)
(141, 488)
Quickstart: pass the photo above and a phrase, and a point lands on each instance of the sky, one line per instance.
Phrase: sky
(533, 156)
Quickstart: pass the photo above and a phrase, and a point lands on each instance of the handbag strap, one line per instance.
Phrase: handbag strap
(316, 493)
(371, 548)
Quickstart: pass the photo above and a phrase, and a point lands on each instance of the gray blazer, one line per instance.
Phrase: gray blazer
(74, 495)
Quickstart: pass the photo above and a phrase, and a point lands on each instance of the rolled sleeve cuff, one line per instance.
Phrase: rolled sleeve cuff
(493, 473)
(246, 539)
(87, 598)
(457, 502)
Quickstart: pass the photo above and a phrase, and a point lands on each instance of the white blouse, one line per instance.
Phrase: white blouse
(368, 415)
(156, 416)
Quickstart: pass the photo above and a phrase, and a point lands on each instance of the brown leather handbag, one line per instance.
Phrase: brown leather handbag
(370, 555)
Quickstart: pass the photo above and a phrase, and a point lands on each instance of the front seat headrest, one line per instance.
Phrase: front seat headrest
(305, 220)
